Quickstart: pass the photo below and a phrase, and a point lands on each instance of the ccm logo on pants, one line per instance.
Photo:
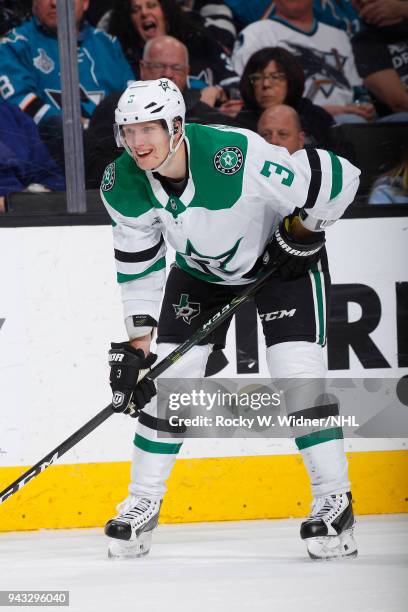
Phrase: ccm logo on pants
(278, 314)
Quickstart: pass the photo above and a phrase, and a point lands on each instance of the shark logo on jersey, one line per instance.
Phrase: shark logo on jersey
(185, 309)
(324, 69)
(228, 160)
(108, 179)
(88, 99)
(43, 62)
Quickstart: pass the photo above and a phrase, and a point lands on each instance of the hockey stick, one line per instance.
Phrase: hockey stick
(226, 311)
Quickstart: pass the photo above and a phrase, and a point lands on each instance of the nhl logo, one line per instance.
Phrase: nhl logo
(108, 179)
(118, 399)
(228, 160)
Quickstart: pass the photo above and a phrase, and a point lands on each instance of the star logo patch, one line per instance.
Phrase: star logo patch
(164, 85)
(185, 309)
(228, 160)
(108, 179)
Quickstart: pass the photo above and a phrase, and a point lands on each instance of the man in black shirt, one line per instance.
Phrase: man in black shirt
(381, 53)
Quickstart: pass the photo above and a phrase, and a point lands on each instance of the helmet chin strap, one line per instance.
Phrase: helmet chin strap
(170, 154)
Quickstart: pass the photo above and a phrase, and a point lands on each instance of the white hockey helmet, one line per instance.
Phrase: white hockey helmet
(151, 101)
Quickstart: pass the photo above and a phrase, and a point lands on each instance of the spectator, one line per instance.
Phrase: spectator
(214, 16)
(274, 76)
(392, 188)
(324, 51)
(381, 51)
(30, 78)
(164, 56)
(24, 159)
(280, 125)
(338, 13)
(135, 22)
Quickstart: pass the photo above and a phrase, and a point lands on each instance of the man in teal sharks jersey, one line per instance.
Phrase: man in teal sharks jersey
(30, 68)
(229, 204)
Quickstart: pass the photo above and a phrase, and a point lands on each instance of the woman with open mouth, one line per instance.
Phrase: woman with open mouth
(134, 22)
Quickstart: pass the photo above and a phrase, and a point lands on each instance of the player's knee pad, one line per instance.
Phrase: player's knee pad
(296, 359)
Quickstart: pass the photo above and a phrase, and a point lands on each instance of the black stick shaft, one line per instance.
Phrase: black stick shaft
(227, 311)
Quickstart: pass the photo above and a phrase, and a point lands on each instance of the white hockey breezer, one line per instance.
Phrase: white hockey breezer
(328, 532)
(131, 530)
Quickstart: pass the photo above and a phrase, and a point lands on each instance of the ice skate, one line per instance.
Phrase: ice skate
(328, 531)
(131, 531)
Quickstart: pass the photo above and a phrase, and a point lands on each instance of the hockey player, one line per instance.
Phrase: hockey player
(228, 203)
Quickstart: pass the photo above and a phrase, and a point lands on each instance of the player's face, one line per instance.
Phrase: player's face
(46, 11)
(148, 143)
(148, 18)
(270, 85)
(280, 129)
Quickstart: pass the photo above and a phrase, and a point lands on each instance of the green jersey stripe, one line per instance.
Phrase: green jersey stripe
(319, 298)
(151, 446)
(159, 265)
(337, 175)
(318, 437)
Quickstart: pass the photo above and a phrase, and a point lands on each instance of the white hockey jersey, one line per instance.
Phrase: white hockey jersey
(325, 54)
(239, 188)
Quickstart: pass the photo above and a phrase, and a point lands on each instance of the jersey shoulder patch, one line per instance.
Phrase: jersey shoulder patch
(217, 160)
(124, 187)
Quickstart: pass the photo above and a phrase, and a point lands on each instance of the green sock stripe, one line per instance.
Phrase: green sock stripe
(337, 175)
(159, 265)
(151, 446)
(320, 297)
(318, 437)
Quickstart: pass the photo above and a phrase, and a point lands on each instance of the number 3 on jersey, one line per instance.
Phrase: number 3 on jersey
(287, 175)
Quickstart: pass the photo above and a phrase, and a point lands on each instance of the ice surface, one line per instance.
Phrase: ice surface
(214, 567)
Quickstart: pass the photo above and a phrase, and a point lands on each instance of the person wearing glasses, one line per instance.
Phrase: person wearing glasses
(325, 54)
(274, 76)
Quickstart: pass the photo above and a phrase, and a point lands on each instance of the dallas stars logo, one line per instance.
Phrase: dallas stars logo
(164, 85)
(108, 179)
(228, 160)
(210, 262)
(185, 309)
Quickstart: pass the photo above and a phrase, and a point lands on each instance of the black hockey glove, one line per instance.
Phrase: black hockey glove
(126, 363)
(292, 257)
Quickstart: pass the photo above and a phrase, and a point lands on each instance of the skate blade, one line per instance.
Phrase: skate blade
(132, 549)
(327, 548)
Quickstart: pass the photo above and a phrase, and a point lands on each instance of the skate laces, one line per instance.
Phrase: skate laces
(133, 507)
(322, 506)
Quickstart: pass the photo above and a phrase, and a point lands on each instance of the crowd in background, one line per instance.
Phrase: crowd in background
(301, 73)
